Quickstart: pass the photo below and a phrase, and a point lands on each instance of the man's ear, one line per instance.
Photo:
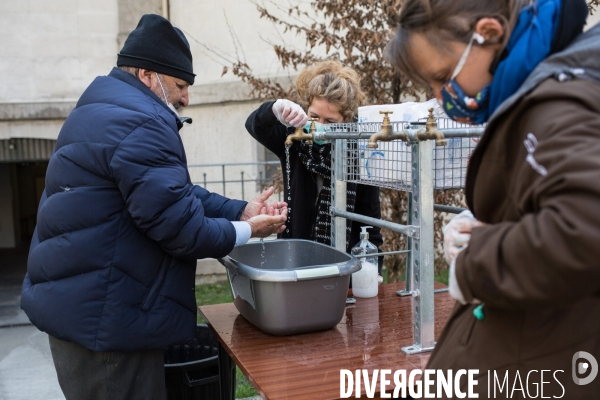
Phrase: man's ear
(145, 76)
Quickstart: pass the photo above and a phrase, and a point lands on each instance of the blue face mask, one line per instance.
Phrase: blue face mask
(456, 104)
(320, 128)
(462, 108)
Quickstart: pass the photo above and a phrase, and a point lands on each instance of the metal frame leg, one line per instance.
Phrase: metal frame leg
(409, 275)
(338, 195)
(422, 248)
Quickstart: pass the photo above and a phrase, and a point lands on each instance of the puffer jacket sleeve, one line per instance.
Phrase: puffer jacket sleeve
(217, 206)
(550, 256)
(149, 171)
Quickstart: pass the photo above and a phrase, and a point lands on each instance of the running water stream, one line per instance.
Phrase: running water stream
(289, 194)
(262, 254)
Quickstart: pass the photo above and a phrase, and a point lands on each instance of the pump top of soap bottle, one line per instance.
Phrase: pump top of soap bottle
(364, 246)
(363, 232)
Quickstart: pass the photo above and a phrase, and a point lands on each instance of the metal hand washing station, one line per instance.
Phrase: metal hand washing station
(418, 165)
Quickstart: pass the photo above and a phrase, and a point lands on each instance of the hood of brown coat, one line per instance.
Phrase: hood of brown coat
(580, 61)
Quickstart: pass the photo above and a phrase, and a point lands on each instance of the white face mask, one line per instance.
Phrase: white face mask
(171, 106)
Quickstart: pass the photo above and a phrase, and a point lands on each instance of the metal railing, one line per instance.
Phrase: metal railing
(218, 176)
(416, 166)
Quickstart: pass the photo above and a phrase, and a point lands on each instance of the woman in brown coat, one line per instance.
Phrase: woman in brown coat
(525, 267)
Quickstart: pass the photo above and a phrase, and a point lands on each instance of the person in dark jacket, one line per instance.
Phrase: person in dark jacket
(524, 266)
(331, 93)
(111, 268)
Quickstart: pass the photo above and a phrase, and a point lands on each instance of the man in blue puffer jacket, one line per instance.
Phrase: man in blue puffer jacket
(110, 275)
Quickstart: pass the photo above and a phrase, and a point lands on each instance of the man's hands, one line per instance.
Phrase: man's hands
(268, 222)
(289, 113)
(265, 218)
(256, 205)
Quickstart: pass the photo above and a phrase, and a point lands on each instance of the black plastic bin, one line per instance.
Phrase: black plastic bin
(199, 370)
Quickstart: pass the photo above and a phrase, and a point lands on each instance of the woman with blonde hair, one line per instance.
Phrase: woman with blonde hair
(524, 265)
(331, 93)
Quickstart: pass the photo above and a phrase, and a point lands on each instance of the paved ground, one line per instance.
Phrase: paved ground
(26, 368)
(13, 265)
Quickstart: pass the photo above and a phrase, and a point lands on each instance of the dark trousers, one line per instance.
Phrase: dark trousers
(90, 375)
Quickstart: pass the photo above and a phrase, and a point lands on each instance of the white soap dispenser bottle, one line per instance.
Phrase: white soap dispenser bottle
(365, 282)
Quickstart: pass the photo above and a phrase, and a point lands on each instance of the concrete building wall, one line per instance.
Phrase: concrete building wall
(38, 129)
(51, 49)
(227, 30)
(7, 227)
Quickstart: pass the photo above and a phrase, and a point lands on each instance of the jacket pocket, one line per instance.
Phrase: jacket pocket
(158, 284)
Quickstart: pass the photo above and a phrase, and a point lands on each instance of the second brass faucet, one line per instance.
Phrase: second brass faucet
(432, 131)
(387, 132)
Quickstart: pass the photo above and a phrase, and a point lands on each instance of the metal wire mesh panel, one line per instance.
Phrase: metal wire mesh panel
(386, 166)
(389, 165)
(450, 162)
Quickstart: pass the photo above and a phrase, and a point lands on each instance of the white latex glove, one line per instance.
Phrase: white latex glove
(453, 287)
(457, 234)
(289, 113)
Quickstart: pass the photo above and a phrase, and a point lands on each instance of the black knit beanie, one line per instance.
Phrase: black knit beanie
(157, 45)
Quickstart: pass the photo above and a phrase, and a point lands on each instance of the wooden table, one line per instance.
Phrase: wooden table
(307, 366)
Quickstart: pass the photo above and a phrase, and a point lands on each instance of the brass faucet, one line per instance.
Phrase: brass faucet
(300, 135)
(432, 131)
(386, 133)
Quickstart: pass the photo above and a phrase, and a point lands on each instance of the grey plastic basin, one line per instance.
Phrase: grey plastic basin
(291, 286)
